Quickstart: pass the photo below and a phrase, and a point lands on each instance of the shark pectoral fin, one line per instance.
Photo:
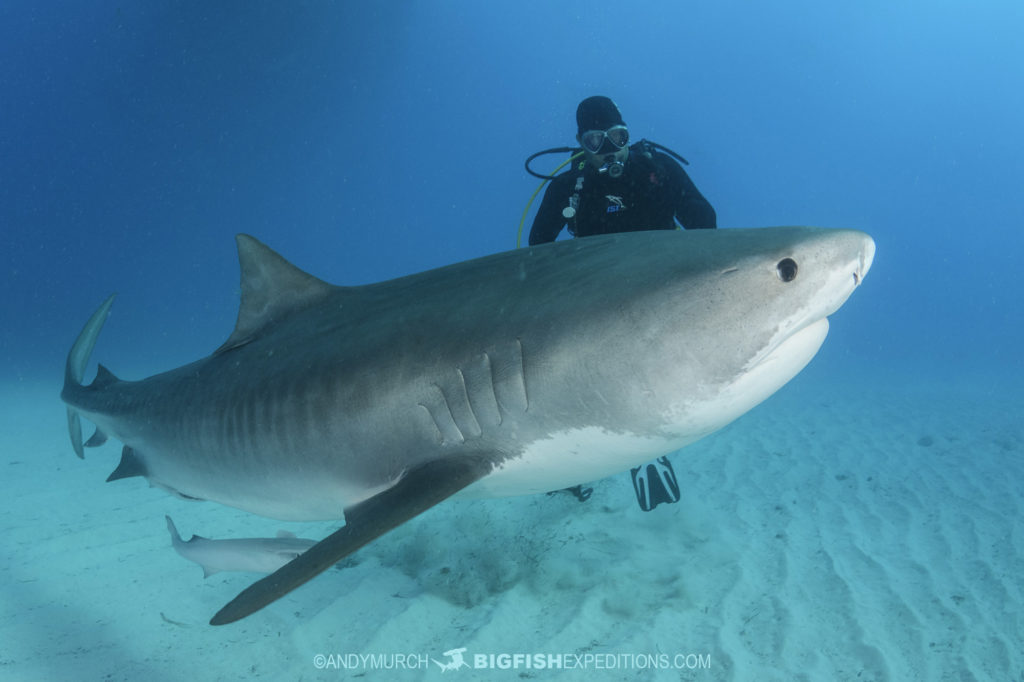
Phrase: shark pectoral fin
(418, 490)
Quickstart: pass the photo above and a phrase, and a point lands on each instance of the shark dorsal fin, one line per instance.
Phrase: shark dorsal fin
(104, 378)
(271, 289)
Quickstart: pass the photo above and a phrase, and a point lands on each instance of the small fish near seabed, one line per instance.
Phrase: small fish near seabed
(517, 373)
(257, 555)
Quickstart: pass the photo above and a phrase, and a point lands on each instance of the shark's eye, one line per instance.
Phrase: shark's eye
(786, 269)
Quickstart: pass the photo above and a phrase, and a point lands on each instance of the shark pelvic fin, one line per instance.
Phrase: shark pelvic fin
(130, 465)
(418, 490)
(97, 439)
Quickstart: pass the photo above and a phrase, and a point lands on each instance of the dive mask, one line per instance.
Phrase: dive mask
(593, 140)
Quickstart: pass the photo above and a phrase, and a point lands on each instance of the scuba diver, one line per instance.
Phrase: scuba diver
(616, 187)
(613, 186)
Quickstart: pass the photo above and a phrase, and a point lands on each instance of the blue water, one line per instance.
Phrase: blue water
(370, 140)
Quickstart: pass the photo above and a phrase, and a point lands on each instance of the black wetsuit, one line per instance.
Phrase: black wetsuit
(653, 192)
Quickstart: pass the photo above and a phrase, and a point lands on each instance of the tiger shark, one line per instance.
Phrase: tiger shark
(516, 373)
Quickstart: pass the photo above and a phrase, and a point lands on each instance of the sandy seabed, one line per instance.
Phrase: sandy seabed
(852, 530)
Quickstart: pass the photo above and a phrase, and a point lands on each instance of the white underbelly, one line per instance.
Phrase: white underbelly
(569, 458)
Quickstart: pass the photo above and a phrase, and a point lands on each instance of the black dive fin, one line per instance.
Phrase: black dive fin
(655, 483)
(419, 490)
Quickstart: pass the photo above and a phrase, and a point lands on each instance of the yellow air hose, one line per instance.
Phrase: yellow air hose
(519, 233)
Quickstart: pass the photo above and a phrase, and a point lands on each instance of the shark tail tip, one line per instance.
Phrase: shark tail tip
(74, 371)
(75, 429)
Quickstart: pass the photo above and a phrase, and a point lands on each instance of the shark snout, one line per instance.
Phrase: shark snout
(867, 257)
(851, 255)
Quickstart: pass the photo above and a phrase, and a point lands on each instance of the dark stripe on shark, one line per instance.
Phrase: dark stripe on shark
(419, 490)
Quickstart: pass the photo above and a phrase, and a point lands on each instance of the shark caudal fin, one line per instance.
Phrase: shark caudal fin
(74, 371)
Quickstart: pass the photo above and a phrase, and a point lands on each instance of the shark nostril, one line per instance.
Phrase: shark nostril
(856, 279)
